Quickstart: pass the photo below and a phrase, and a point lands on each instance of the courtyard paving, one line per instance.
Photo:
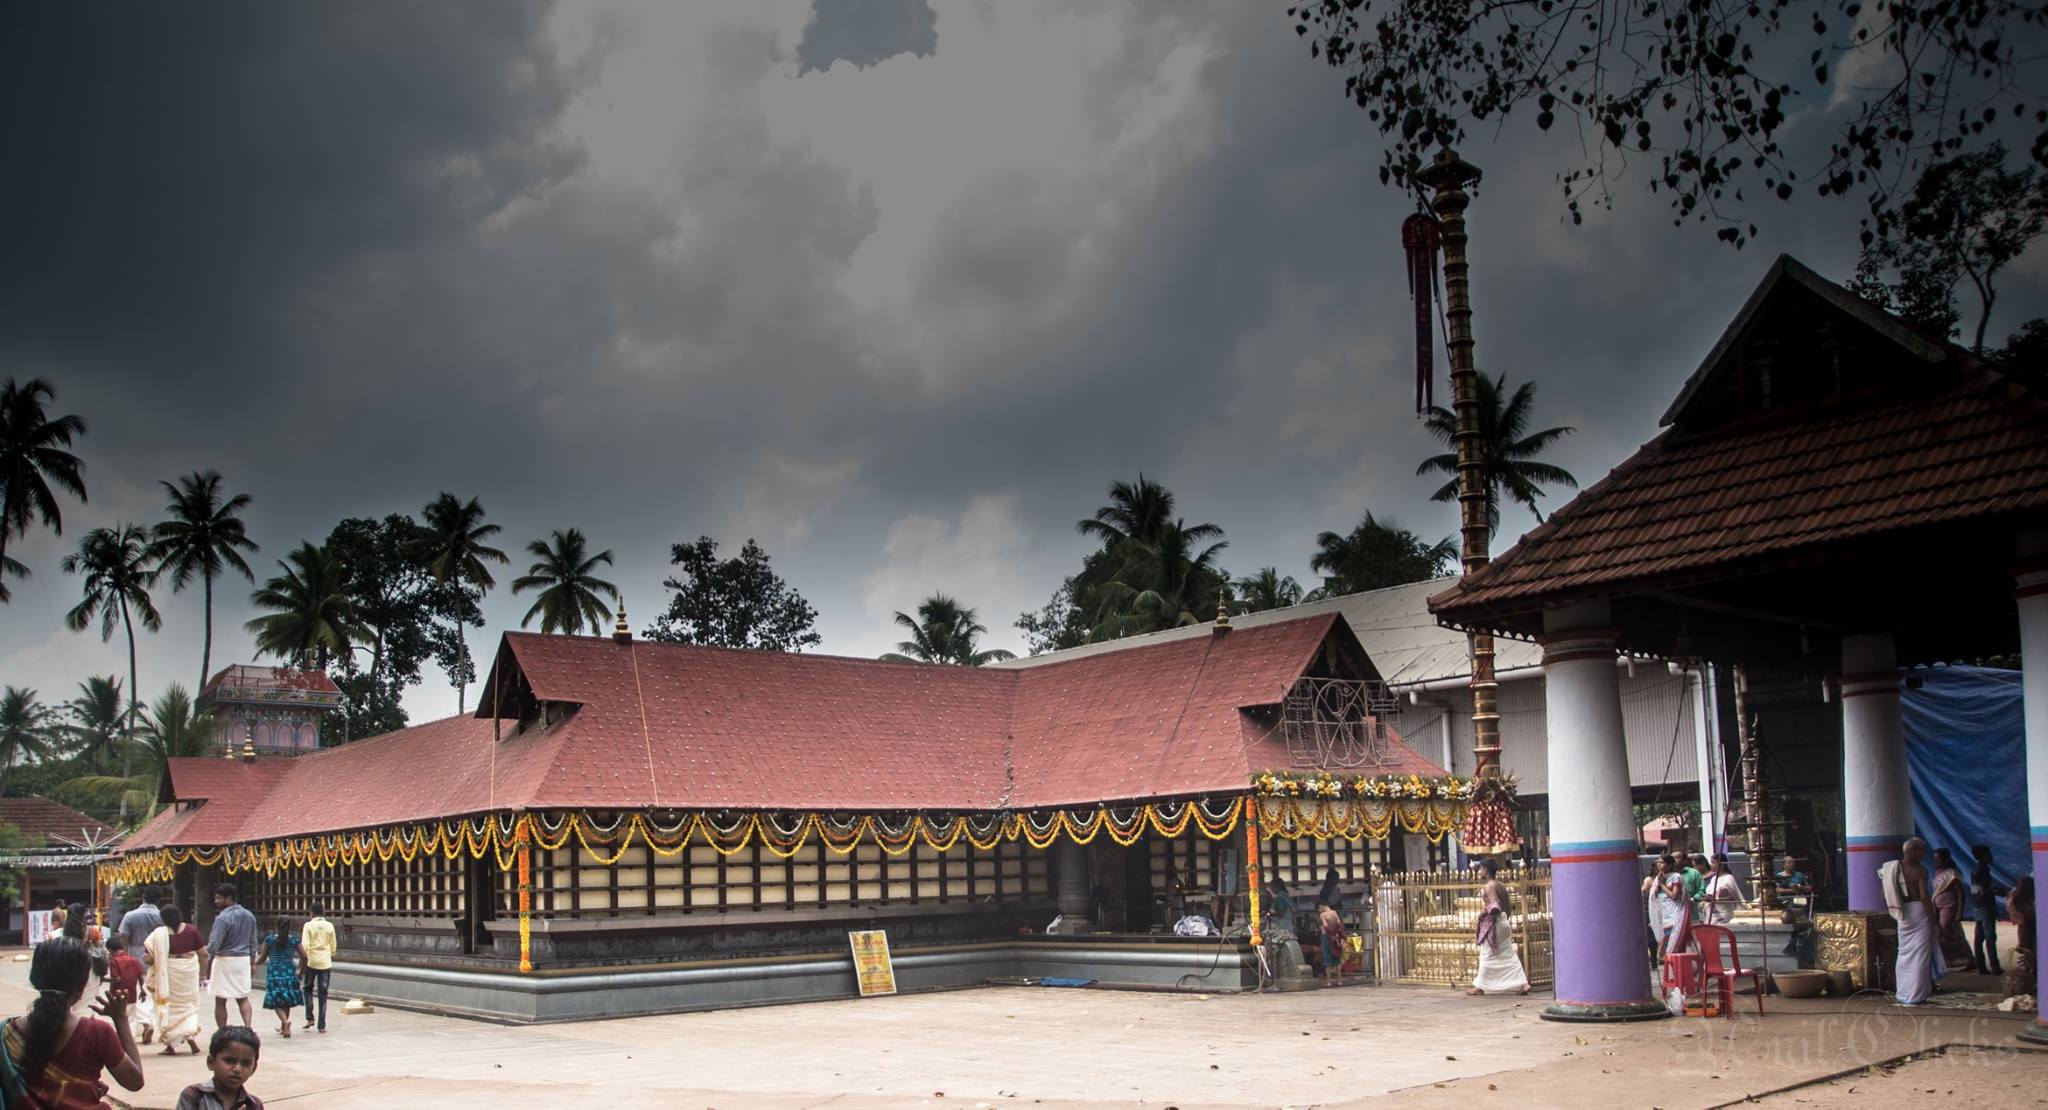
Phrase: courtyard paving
(1023, 1046)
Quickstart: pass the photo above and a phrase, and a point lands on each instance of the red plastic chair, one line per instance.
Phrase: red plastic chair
(1724, 976)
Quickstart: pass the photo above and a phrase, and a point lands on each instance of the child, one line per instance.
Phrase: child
(232, 1056)
(124, 972)
(281, 994)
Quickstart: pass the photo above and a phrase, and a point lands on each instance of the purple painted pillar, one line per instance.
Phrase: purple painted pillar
(1596, 888)
(2032, 598)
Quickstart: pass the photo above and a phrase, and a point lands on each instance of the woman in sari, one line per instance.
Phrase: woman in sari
(1674, 909)
(1724, 893)
(60, 1053)
(1950, 893)
(1500, 969)
(174, 950)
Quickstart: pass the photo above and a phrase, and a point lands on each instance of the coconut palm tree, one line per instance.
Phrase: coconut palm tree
(203, 537)
(1268, 589)
(571, 595)
(1165, 582)
(1140, 511)
(944, 631)
(173, 729)
(1507, 448)
(118, 577)
(96, 727)
(32, 460)
(1377, 554)
(311, 621)
(454, 551)
(27, 728)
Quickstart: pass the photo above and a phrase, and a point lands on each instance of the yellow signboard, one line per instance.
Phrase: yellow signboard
(871, 962)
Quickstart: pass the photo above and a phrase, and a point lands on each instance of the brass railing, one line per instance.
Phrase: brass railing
(1425, 925)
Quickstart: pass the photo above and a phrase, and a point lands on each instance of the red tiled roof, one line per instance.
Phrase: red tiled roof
(1967, 442)
(247, 678)
(53, 824)
(672, 726)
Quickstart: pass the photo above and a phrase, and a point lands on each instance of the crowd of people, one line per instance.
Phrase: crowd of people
(155, 968)
(1929, 897)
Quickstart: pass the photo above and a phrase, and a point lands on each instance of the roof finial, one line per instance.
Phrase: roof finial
(621, 634)
(1222, 611)
(249, 743)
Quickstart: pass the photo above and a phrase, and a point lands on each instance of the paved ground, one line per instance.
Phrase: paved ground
(1066, 1048)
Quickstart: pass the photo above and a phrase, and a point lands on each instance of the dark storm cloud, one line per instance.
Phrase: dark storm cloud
(867, 31)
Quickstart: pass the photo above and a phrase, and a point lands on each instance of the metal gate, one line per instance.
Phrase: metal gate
(1425, 924)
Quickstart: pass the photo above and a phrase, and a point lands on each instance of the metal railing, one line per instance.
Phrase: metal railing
(1425, 925)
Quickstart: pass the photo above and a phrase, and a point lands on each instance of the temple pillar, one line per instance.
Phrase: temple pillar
(2032, 596)
(1877, 804)
(1596, 883)
(1072, 866)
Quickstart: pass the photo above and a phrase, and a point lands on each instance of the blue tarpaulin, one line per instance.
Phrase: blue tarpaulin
(1966, 755)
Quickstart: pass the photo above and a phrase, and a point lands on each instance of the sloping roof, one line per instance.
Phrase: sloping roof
(248, 681)
(666, 726)
(1405, 643)
(54, 824)
(1962, 441)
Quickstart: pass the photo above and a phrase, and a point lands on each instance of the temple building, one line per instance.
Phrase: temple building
(624, 826)
(1834, 495)
(275, 710)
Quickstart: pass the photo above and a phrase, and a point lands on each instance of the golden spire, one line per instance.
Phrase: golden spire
(620, 632)
(1222, 611)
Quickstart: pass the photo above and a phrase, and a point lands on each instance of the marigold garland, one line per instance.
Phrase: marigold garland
(502, 838)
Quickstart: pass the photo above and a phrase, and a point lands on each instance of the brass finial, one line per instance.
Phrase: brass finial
(620, 632)
(249, 743)
(1222, 612)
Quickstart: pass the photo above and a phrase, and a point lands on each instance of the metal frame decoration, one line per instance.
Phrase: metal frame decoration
(1337, 723)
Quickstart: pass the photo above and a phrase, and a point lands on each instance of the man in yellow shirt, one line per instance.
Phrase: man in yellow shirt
(316, 956)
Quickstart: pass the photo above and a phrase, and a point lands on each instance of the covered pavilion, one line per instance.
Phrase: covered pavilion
(1833, 493)
(624, 826)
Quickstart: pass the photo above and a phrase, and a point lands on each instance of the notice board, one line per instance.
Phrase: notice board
(871, 965)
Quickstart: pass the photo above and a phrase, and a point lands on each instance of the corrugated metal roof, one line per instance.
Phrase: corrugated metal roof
(1406, 645)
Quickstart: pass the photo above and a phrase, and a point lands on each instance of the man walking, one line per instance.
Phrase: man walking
(1984, 894)
(231, 944)
(316, 955)
(136, 925)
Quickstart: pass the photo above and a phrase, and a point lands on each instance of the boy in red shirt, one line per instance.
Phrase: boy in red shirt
(124, 972)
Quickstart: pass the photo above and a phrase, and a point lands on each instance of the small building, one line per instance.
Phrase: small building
(64, 847)
(277, 710)
(628, 827)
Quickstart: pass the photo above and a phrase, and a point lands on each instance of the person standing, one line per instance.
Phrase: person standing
(231, 946)
(1984, 894)
(175, 950)
(1724, 892)
(1947, 896)
(135, 927)
(1695, 885)
(1333, 943)
(1906, 895)
(1500, 968)
(60, 1053)
(281, 974)
(316, 961)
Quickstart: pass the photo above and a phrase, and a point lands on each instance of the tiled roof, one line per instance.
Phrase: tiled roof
(1966, 441)
(672, 726)
(53, 824)
(249, 680)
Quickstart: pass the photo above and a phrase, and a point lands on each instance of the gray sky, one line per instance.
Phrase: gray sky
(897, 292)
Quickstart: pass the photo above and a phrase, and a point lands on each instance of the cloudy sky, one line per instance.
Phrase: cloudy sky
(896, 288)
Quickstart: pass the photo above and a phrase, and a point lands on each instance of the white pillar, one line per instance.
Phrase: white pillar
(1706, 730)
(1596, 896)
(2032, 597)
(1877, 803)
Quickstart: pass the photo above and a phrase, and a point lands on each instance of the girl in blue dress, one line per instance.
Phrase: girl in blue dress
(281, 974)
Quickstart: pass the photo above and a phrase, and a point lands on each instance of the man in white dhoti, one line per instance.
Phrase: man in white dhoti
(1907, 896)
(1500, 969)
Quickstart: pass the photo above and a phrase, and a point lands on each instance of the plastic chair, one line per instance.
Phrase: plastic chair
(1710, 938)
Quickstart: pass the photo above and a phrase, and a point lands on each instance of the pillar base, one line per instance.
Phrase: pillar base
(1646, 1010)
(2036, 1033)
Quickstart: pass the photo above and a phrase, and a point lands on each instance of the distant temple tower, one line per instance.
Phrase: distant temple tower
(273, 710)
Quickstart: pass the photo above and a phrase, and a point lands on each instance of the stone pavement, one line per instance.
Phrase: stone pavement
(1022, 1046)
